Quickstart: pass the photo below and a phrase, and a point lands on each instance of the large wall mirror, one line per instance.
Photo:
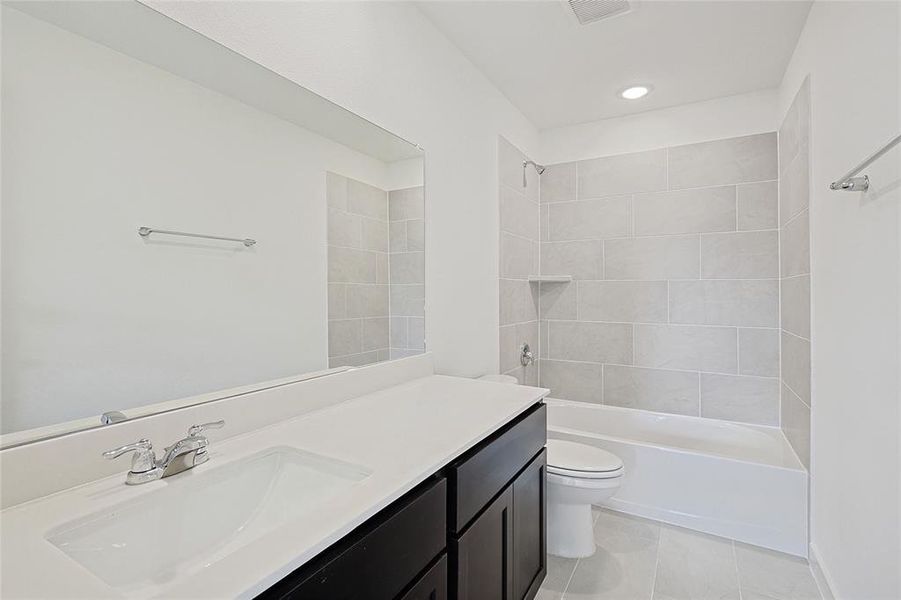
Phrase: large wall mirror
(180, 224)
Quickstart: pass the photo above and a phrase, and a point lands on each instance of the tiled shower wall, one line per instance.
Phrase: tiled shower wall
(674, 303)
(794, 229)
(406, 241)
(519, 248)
(375, 281)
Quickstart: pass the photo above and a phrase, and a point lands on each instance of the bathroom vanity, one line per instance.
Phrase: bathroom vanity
(381, 482)
(475, 529)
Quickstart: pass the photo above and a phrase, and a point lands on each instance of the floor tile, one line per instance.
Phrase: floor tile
(765, 573)
(623, 566)
(641, 559)
(608, 521)
(559, 572)
(695, 566)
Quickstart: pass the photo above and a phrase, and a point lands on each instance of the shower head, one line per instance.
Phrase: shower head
(539, 168)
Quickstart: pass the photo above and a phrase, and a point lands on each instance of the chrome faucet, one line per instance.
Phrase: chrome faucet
(184, 454)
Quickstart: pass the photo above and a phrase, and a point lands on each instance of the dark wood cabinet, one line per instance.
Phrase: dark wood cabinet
(380, 558)
(432, 585)
(530, 528)
(476, 530)
(482, 557)
(501, 555)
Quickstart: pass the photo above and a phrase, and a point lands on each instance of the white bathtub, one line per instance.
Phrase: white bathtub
(737, 481)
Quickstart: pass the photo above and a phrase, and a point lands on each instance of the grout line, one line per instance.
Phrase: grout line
(737, 572)
(664, 324)
(660, 235)
(656, 565)
(795, 335)
(736, 209)
(568, 581)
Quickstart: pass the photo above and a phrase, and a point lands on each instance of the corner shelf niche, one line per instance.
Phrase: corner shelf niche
(550, 278)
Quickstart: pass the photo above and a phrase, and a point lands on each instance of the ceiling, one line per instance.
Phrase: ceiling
(558, 72)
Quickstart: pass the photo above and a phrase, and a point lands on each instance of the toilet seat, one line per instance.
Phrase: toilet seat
(581, 461)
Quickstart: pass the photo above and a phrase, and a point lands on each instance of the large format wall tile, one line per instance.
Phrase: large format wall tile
(407, 267)
(670, 257)
(622, 301)
(589, 219)
(678, 250)
(359, 239)
(352, 266)
(795, 298)
(794, 233)
(375, 234)
(685, 211)
(345, 337)
(796, 365)
(517, 302)
(344, 229)
(375, 333)
(590, 342)
(407, 203)
(408, 300)
(740, 398)
(580, 381)
(559, 183)
(687, 348)
(795, 251)
(519, 215)
(794, 186)
(651, 389)
(516, 257)
(733, 160)
(740, 255)
(796, 424)
(557, 301)
(748, 303)
(365, 300)
(580, 259)
(364, 199)
(758, 205)
(622, 174)
(758, 352)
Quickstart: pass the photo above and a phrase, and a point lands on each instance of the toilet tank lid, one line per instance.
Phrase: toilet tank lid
(573, 456)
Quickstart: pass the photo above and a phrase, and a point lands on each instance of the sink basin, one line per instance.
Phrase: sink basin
(201, 516)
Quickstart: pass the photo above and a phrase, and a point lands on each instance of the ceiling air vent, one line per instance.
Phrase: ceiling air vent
(589, 11)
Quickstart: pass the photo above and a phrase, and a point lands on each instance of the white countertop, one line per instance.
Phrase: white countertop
(403, 434)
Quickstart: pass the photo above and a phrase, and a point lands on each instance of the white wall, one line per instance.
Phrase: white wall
(855, 273)
(389, 64)
(95, 318)
(721, 118)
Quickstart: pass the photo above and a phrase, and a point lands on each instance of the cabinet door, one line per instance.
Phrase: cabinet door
(482, 557)
(530, 528)
(432, 585)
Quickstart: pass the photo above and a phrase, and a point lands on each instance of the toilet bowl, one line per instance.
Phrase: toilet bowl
(578, 476)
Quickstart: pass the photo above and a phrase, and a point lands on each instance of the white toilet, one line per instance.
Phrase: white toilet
(578, 476)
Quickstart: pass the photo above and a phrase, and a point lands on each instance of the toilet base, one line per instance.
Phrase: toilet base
(570, 532)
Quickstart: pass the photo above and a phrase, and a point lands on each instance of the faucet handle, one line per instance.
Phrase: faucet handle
(197, 429)
(144, 458)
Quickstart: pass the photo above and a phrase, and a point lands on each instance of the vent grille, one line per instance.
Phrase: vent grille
(589, 11)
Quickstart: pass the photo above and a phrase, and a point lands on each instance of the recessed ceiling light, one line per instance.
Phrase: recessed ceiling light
(635, 92)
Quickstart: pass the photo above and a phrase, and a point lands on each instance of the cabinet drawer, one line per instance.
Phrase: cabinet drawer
(484, 471)
(380, 560)
(432, 585)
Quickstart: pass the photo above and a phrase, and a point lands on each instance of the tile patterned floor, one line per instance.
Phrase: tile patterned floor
(638, 559)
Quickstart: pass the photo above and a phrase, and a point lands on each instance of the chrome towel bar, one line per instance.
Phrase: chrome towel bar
(850, 183)
(146, 231)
